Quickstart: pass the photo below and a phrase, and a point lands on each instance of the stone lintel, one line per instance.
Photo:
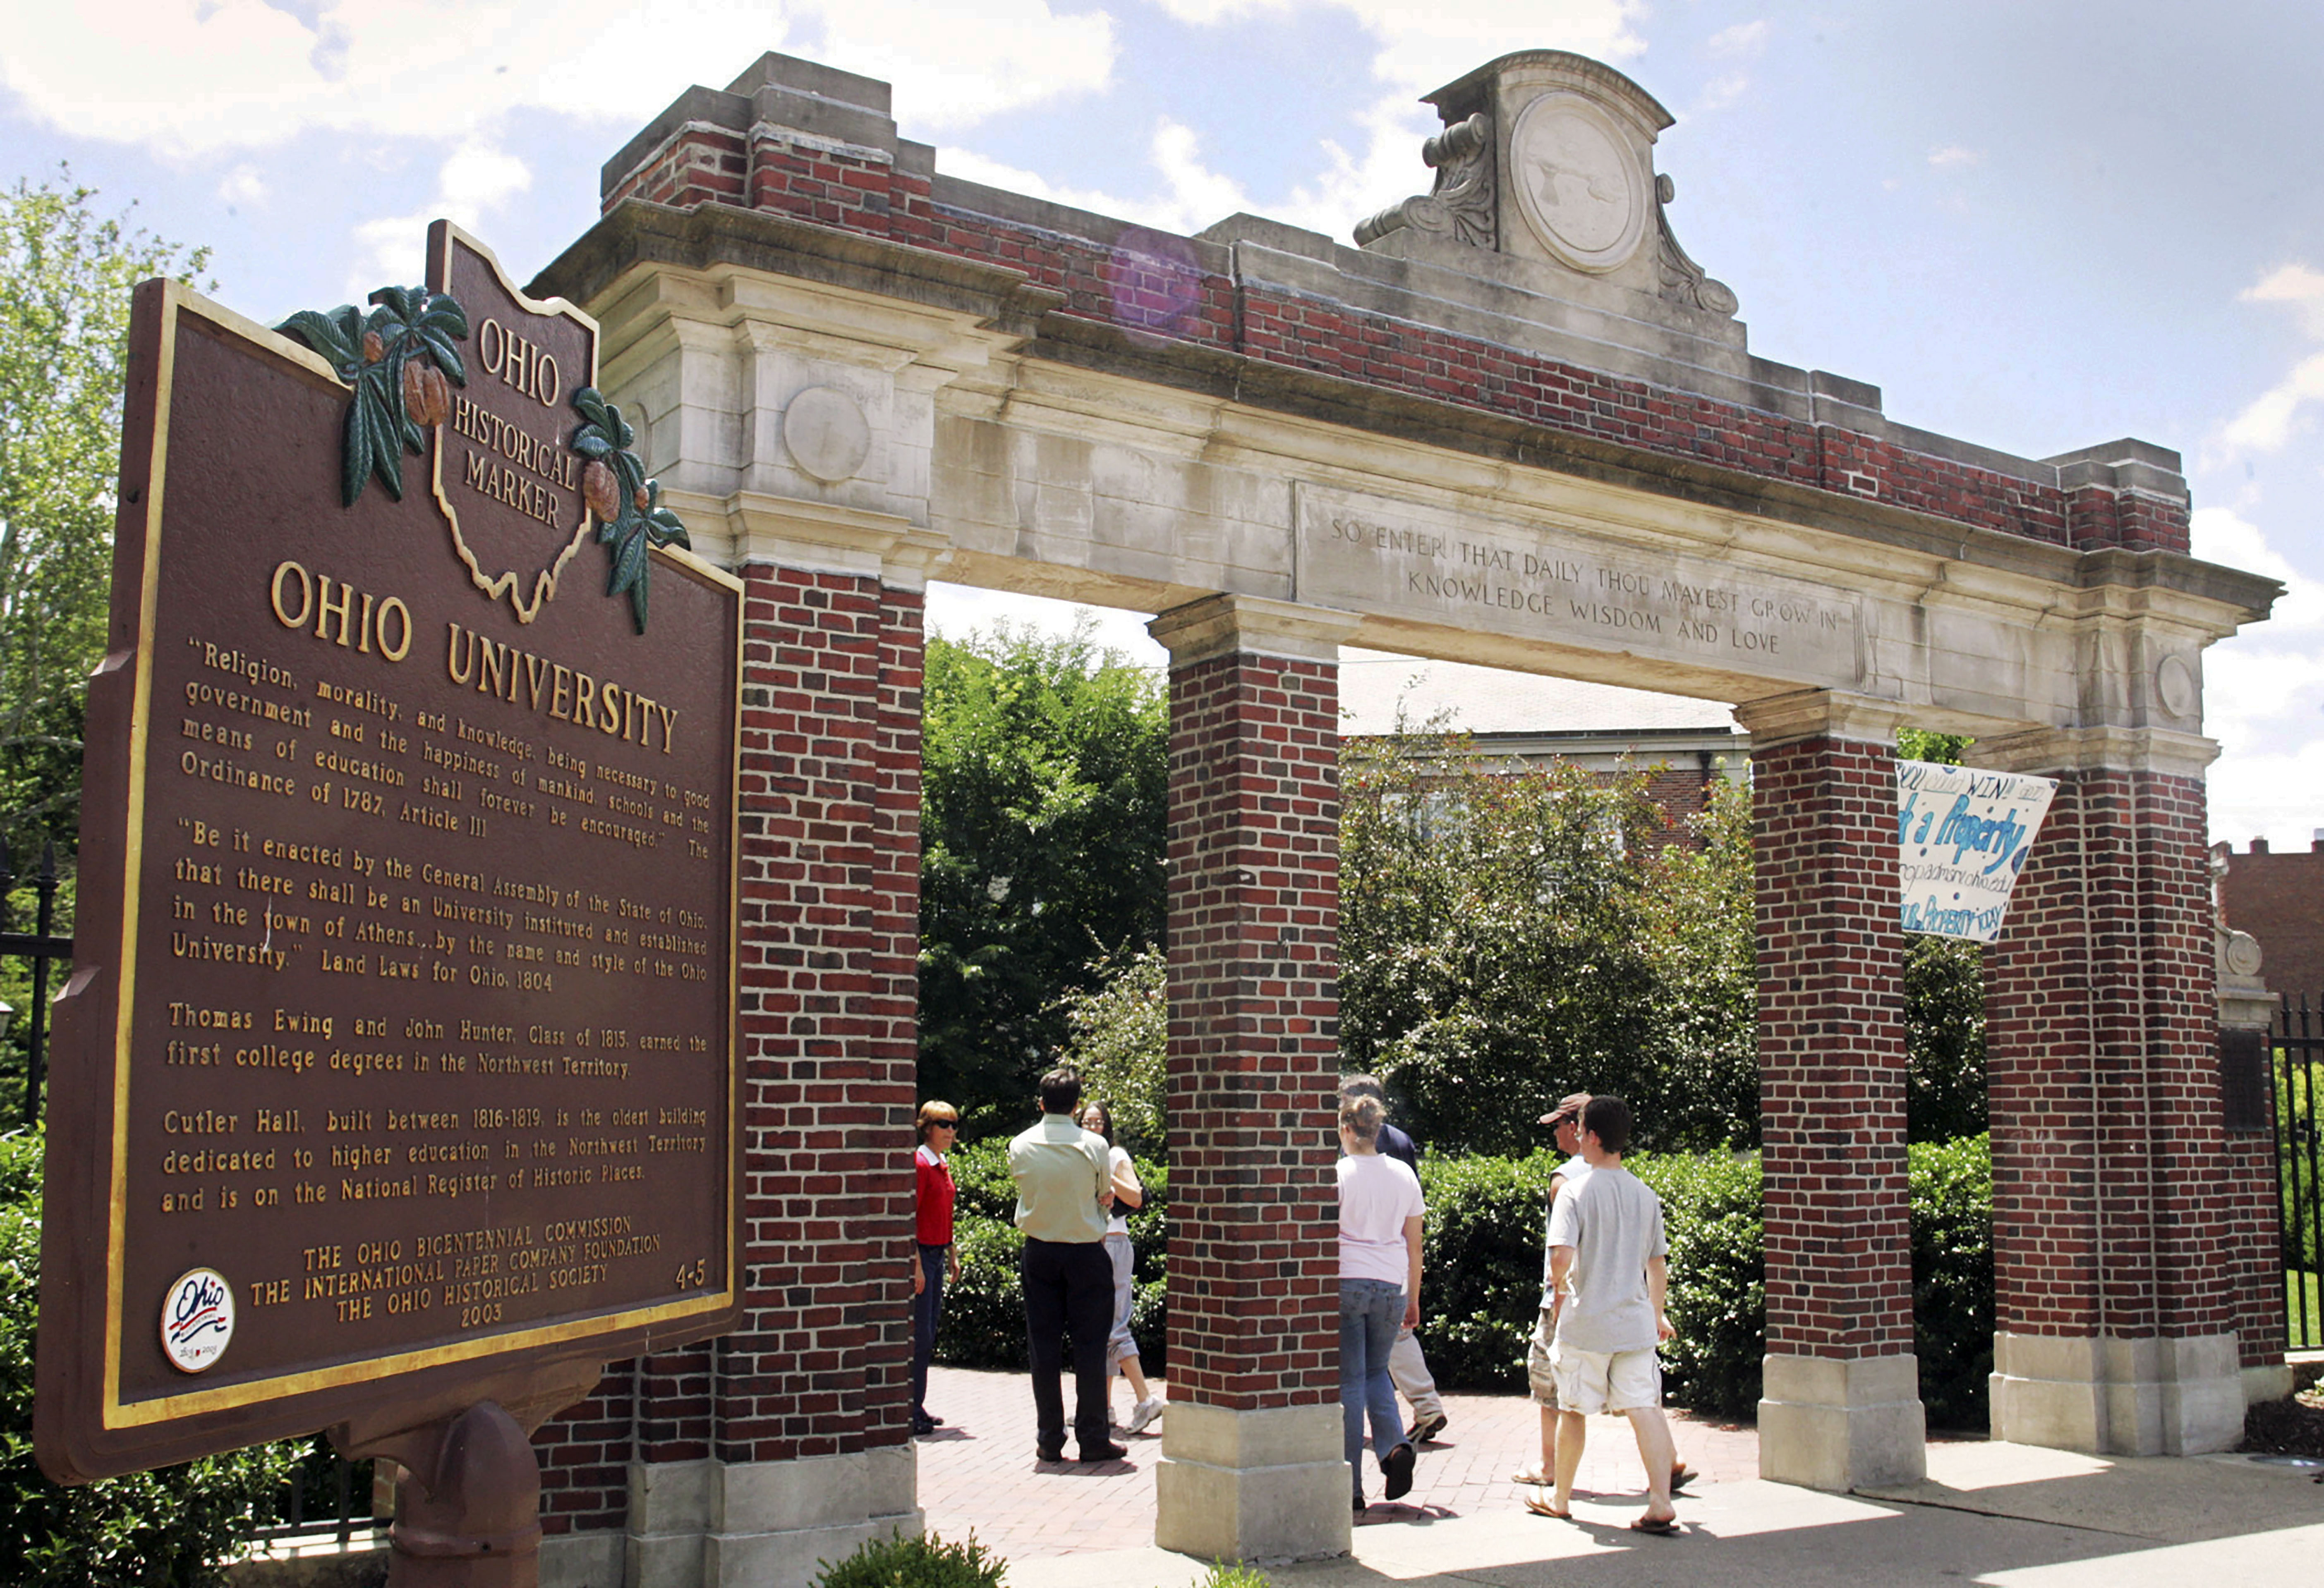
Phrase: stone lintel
(1249, 625)
(1252, 1485)
(2107, 1395)
(1842, 1423)
(715, 1524)
(824, 537)
(2048, 752)
(1811, 713)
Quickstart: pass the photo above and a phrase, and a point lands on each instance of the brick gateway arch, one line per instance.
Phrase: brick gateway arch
(1519, 426)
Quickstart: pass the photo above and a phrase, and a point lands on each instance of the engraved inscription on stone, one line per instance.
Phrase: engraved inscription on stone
(1576, 182)
(1405, 560)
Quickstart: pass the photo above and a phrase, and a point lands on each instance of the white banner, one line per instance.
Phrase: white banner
(1961, 837)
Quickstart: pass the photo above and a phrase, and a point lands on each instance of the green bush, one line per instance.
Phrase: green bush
(1952, 1278)
(170, 1529)
(984, 1309)
(1482, 1263)
(909, 1561)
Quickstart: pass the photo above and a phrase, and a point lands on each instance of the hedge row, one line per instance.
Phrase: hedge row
(1483, 1263)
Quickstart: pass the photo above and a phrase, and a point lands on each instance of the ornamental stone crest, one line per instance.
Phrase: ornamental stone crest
(1549, 157)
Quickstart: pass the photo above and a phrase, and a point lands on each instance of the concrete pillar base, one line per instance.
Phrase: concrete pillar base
(2111, 1396)
(714, 1524)
(1843, 1424)
(581, 1560)
(2268, 1383)
(1252, 1485)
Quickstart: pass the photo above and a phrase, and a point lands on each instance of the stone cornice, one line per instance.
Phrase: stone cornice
(1814, 713)
(1249, 625)
(2047, 752)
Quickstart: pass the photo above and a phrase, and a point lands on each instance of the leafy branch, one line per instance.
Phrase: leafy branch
(396, 359)
(630, 515)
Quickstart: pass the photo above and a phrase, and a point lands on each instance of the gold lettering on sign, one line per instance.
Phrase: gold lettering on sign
(384, 626)
(522, 365)
(555, 689)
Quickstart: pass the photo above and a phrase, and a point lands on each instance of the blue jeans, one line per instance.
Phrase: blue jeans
(1369, 1312)
(927, 1313)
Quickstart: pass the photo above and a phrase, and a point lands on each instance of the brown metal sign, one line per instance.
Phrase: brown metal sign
(400, 1057)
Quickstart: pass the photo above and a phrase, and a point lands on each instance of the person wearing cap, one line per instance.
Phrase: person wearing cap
(1610, 1267)
(937, 1259)
(1564, 1124)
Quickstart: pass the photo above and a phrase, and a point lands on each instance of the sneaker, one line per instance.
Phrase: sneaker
(1426, 1428)
(1144, 1413)
(1396, 1466)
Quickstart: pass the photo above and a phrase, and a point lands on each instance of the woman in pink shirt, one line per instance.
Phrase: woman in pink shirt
(937, 1259)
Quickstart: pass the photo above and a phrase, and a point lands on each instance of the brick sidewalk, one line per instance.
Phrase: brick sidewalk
(978, 1472)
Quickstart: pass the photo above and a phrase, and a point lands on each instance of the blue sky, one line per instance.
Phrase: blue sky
(2037, 227)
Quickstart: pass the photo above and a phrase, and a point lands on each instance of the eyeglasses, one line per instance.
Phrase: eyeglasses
(943, 1124)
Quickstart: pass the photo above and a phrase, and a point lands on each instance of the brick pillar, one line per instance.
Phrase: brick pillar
(752, 1456)
(1842, 1407)
(1252, 1465)
(2126, 1251)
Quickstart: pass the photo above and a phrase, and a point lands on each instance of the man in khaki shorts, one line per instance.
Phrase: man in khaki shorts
(1609, 1268)
(1565, 1124)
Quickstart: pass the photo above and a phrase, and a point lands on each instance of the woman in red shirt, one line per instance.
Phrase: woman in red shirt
(937, 1259)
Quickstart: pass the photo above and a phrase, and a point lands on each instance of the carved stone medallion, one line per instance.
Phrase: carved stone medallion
(1579, 182)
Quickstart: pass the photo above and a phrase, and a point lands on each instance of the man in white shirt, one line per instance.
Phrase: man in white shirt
(1064, 1192)
(1609, 1266)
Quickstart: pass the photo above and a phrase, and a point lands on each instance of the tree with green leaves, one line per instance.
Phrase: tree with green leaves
(66, 273)
(1507, 938)
(1045, 776)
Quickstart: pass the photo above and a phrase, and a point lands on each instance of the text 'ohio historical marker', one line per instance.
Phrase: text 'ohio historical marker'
(398, 1066)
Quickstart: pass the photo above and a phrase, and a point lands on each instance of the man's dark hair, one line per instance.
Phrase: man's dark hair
(1361, 1086)
(1061, 1090)
(1610, 1118)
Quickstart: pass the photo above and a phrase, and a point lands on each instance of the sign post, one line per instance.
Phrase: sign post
(395, 1085)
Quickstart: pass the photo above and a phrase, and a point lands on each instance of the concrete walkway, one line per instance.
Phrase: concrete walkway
(1989, 1513)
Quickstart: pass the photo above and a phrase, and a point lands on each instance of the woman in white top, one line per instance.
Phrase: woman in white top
(1380, 1210)
(1120, 1347)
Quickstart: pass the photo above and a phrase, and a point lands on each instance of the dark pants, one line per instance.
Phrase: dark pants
(927, 1312)
(1069, 1286)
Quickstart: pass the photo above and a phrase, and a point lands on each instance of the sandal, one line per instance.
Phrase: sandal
(1533, 1473)
(1660, 1527)
(1543, 1507)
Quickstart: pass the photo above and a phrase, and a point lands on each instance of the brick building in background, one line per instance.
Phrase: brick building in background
(2279, 899)
(1520, 721)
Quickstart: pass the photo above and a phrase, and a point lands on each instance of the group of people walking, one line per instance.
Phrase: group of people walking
(1604, 1279)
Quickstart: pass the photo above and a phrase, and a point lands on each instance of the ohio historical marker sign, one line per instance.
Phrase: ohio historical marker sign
(399, 1059)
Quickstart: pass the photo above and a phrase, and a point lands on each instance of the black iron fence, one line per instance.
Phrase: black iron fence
(326, 1496)
(43, 947)
(2298, 1045)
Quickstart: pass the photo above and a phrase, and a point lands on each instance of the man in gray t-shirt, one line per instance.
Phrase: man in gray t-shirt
(1609, 1267)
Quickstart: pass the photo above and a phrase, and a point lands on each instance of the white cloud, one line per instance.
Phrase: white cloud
(242, 185)
(2263, 694)
(1721, 92)
(475, 182)
(1423, 46)
(1745, 39)
(2295, 284)
(1950, 155)
(192, 78)
(2270, 421)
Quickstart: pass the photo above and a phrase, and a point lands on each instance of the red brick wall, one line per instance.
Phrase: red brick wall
(829, 982)
(2118, 1087)
(2279, 899)
(1253, 1035)
(1832, 1050)
(1154, 284)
